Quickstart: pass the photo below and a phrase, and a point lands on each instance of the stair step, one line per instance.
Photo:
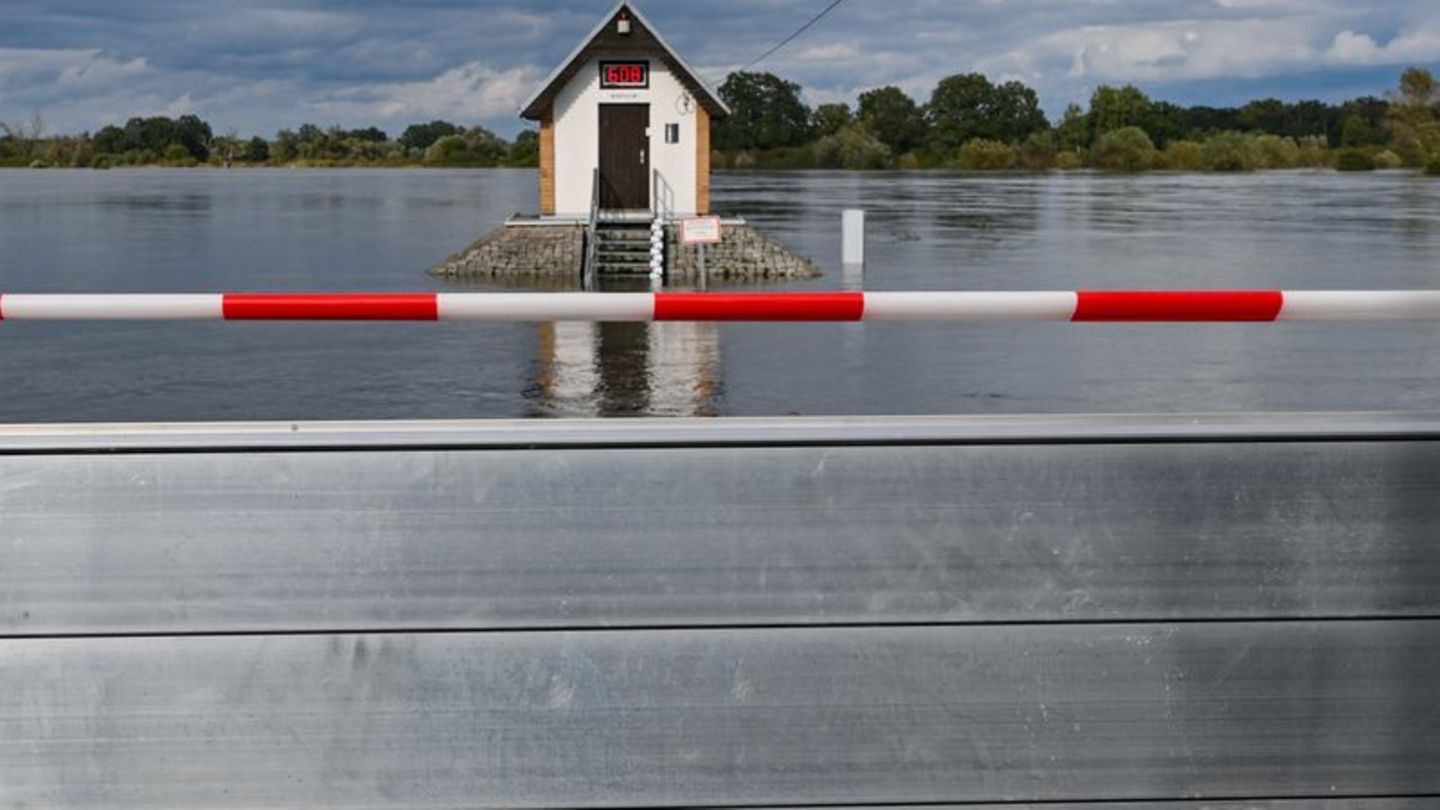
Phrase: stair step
(623, 248)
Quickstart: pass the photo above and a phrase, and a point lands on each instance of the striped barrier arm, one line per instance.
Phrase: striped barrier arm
(1113, 307)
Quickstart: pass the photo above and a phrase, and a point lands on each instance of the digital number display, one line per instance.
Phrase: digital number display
(624, 75)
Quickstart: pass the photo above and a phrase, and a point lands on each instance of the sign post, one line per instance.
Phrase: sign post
(701, 231)
(853, 238)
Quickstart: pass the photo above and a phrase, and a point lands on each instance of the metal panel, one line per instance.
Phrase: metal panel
(593, 433)
(376, 540)
(1194, 804)
(724, 717)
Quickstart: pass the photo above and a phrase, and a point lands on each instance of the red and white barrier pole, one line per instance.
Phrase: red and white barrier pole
(1113, 307)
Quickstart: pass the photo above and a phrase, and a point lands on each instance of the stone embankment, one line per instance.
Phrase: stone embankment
(555, 250)
(518, 252)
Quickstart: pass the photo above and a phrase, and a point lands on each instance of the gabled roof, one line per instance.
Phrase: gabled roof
(645, 40)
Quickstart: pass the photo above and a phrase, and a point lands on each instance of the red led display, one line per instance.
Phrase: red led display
(624, 75)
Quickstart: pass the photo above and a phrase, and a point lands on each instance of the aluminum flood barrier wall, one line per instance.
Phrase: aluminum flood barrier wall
(1227, 612)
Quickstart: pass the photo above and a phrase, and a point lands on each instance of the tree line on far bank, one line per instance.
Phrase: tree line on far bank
(191, 141)
(969, 123)
(972, 124)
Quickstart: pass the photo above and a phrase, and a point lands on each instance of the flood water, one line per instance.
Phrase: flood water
(204, 231)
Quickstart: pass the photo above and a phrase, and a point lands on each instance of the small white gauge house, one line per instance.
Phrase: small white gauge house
(626, 112)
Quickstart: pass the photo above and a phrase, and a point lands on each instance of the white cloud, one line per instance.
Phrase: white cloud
(835, 52)
(66, 66)
(473, 90)
(1350, 48)
(1208, 49)
(102, 71)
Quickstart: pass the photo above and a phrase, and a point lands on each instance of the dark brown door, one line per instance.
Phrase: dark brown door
(625, 157)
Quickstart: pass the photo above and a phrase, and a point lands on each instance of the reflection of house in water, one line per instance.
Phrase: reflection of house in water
(611, 369)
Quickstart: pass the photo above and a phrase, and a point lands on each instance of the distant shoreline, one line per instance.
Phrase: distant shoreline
(1011, 171)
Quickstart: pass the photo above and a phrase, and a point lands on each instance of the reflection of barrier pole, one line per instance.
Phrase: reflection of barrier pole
(853, 248)
(1115, 307)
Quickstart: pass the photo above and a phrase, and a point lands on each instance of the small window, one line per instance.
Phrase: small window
(672, 133)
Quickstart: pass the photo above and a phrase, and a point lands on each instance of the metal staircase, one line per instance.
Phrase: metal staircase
(622, 248)
(622, 243)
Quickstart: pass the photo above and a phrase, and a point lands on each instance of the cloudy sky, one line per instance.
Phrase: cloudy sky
(259, 65)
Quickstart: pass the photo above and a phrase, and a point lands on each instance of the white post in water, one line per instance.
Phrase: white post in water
(853, 233)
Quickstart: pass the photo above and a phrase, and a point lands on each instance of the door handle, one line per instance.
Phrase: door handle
(642, 156)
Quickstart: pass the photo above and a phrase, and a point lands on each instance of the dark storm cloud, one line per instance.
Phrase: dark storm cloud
(257, 66)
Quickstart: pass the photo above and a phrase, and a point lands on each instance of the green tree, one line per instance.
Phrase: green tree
(286, 147)
(1311, 118)
(829, 119)
(968, 107)
(1418, 86)
(1017, 112)
(1165, 122)
(1113, 108)
(765, 113)
(1373, 111)
(473, 148)
(959, 112)
(1412, 112)
(1266, 115)
(486, 148)
(1359, 132)
(423, 136)
(525, 151)
(1127, 149)
(894, 118)
(368, 135)
(257, 150)
(195, 135)
(1074, 130)
(110, 140)
(1202, 120)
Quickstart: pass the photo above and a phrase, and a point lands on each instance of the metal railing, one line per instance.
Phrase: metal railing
(592, 235)
(662, 208)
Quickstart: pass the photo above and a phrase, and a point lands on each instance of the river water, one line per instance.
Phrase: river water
(194, 231)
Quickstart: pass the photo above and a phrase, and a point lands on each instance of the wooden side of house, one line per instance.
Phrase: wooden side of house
(547, 165)
(702, 160)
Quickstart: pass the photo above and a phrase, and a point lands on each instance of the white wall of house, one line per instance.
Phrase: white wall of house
(577, 136)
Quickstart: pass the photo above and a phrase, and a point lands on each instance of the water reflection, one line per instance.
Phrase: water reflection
(613, 369)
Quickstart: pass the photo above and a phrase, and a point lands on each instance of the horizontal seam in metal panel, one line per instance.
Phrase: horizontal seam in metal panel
(716, 628)
(428, 447)
(1207, 801)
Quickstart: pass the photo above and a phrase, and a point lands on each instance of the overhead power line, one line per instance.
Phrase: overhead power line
(798, 32)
